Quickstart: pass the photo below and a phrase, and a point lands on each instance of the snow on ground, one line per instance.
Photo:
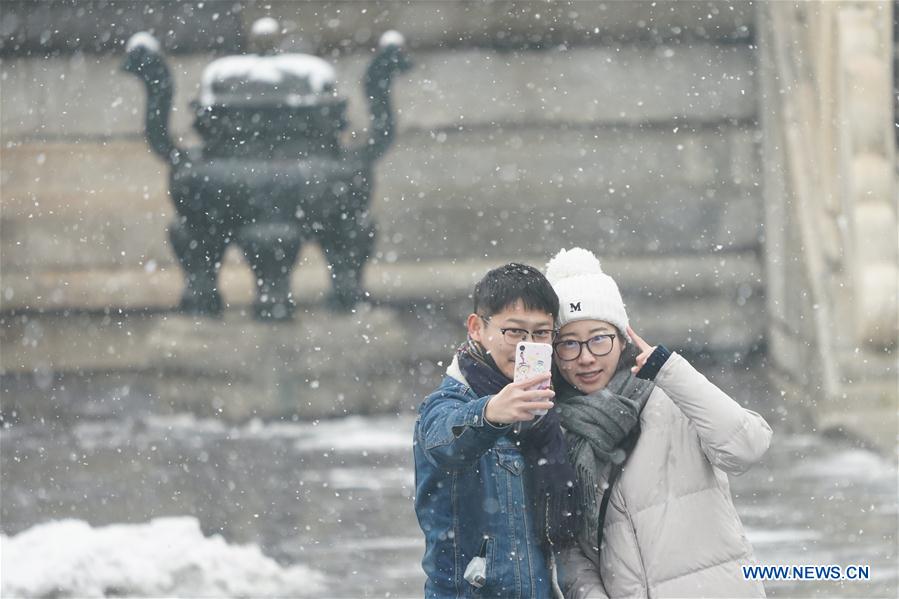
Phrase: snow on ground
(165, 557)
(357, 434)
(850, 466)
(375, 434)
(764, 536)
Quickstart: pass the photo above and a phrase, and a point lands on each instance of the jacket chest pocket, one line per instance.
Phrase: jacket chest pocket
(510, 460)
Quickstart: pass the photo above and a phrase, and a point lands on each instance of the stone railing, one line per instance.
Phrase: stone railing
(832, 241)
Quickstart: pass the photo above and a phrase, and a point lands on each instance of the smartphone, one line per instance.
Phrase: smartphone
(532, 359)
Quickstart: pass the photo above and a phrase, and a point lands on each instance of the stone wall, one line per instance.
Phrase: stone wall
(29, 27)
(627, 128)
(832, 252)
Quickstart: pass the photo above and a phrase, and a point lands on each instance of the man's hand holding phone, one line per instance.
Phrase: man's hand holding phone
(518, 401)
(532, 361)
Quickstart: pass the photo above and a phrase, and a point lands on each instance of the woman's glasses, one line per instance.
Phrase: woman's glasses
(598, 345)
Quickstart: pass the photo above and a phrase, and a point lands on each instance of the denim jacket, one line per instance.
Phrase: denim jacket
(470, 500)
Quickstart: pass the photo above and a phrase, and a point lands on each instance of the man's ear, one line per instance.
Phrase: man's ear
(475, 325)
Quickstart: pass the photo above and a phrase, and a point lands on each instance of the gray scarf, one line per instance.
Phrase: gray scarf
(601, 429)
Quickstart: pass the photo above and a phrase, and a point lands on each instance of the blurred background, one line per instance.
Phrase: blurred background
(731, 163)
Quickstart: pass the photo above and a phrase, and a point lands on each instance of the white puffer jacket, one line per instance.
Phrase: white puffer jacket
(671, 529)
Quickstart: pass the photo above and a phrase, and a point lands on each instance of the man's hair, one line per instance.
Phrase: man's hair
(503, 286)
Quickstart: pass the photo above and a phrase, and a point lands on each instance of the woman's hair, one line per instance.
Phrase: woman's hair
(504, 286)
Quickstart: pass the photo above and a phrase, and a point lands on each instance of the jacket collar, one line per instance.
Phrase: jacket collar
(454, 371)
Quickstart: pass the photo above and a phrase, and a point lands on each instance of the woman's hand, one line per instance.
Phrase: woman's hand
(645, 350)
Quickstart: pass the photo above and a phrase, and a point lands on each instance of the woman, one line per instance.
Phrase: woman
(652, 441)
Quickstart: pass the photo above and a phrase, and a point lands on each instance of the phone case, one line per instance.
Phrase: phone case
(532, 359)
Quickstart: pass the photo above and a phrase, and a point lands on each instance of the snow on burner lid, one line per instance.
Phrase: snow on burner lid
(142, 39)
(265, 26)
(391, 38)
(295, 78)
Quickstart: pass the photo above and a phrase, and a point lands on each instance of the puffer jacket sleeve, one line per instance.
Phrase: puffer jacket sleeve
(578, 577)
(452, 430)
(732, 437)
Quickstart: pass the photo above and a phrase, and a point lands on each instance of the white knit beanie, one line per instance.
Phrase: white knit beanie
(585, 291)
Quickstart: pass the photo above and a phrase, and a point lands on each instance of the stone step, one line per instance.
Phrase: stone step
(865, 364)
(234, 368)
(41, 345)
(674, 277)
(90, 97)
(623, 192)
(505, 23)
(68, 322)
(322, 364)
(31, 27)
(618, 84)
(864, 415)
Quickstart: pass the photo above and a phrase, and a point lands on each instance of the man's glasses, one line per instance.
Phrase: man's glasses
(599, 346)
(513, 336)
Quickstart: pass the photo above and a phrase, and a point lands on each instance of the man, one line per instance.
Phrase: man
(493, 497)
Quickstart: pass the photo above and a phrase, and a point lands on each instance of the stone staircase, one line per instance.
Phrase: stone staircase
(642, 147)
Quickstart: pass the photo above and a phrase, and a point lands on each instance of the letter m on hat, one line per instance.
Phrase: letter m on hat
(575, 307)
